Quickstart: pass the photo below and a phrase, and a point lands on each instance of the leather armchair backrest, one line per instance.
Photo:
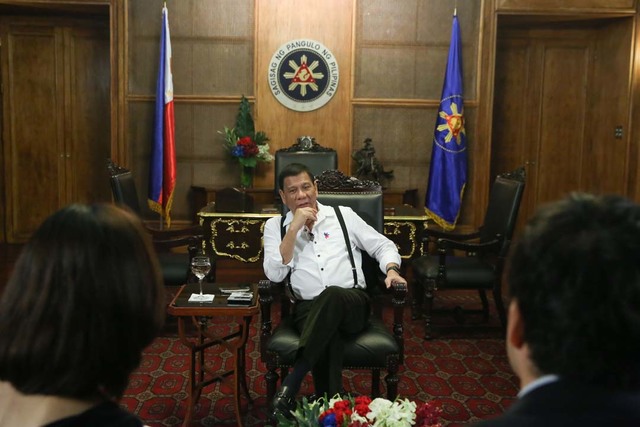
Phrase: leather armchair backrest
(123, 187)
(316, 161)
(504, 203)
(368, 205)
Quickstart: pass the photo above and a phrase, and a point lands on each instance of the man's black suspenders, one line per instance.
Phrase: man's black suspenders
(345, 233)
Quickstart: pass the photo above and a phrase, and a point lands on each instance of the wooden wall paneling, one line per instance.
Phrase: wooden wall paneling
(277, 22)
(564, 82)
(633, 180)
(485, 68)
(511, 111)
(574, 81)
(118, 40)
(34, 166)
(87, 126)
(609, 106)
(399, 59)
(559, 6)
(64, 176)
(212, 47)
(56, 110)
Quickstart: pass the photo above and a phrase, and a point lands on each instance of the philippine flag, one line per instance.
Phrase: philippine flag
(162, 170)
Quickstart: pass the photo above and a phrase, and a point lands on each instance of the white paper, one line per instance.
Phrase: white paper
(232, 290)
(241, 295)
(201, 298)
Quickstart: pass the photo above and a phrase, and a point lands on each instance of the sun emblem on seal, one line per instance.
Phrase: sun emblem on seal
(303, 75)
(454, 124)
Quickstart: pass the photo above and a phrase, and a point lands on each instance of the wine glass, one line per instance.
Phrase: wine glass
(200, 267)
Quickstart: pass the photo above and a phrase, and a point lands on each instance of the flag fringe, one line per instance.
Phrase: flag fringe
(446, 225)
(164, 213)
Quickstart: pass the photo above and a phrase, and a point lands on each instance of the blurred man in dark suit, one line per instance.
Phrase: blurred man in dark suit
(573, 335)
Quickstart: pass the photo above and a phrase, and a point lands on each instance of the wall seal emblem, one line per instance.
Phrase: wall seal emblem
(303, 75)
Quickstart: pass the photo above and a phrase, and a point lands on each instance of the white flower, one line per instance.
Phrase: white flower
(263, 153)
(383, 413)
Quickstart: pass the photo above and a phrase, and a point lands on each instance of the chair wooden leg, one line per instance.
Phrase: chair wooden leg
(428, 309)
(485, 305)
(497, 296)
(392, 379)
(271, 378)
(375, 383)
(417, 299)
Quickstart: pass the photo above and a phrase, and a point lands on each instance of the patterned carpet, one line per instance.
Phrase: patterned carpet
(466, 369)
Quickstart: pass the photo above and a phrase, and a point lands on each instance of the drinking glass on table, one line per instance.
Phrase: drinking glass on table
(200, 267)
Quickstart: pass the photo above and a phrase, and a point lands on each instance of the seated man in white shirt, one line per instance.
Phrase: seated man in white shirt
(573, 334)
(328, 302)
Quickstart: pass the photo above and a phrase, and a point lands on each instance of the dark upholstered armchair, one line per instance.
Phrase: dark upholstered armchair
(379, 346)
(176, 247)
(308, 152)
(484, 253)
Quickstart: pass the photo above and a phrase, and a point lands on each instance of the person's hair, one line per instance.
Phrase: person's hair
(575, 276)
(293, 169)
(83, 301)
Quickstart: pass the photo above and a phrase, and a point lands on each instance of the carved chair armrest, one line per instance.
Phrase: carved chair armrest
(446, 245)
(175, 232)
(190, 242)
(472, 249)
(398, 300)
(430, 234)
(265, 298)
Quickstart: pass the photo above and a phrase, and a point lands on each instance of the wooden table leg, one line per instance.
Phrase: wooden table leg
(191, 380)
(197, 371)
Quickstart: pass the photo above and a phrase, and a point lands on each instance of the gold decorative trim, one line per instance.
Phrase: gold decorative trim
(243, 228)
(395, 231)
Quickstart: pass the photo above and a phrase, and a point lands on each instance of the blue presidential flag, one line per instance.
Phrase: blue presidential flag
(448, 171)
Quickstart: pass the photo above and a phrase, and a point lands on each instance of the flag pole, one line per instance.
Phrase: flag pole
(160, 213)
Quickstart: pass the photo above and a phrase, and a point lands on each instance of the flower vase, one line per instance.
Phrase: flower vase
(246, 176)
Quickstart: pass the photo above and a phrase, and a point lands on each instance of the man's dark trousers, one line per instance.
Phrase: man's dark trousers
(322, 322)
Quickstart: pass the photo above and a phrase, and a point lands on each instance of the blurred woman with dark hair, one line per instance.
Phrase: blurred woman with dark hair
(85, 298)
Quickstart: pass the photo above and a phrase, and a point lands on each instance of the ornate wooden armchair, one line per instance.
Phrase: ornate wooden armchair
(484, 253)
(175, 247)
(379, 346)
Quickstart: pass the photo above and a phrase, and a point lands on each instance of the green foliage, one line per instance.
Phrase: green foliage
(243, 142)
(244, 121)
(305, 415)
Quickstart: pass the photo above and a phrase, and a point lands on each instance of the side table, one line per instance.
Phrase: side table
(201, 314)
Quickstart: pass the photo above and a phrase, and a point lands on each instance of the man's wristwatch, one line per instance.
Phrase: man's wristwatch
(394, 268)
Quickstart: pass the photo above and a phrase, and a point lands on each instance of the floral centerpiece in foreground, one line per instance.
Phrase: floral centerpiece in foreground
(362, 411)
(245, 144)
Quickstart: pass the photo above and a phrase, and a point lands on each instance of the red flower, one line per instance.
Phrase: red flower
(428, 414)
(249, 147)
(362, 405)
(341, 409)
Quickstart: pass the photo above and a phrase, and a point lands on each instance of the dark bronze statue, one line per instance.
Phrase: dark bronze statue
(369, 167)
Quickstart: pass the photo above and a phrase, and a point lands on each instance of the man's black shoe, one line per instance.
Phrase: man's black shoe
(284, 403)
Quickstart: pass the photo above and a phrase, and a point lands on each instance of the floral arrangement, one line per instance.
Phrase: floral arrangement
(243, 142)
(361, 411)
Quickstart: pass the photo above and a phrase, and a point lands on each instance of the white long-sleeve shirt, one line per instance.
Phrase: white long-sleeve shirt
(324, 260)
